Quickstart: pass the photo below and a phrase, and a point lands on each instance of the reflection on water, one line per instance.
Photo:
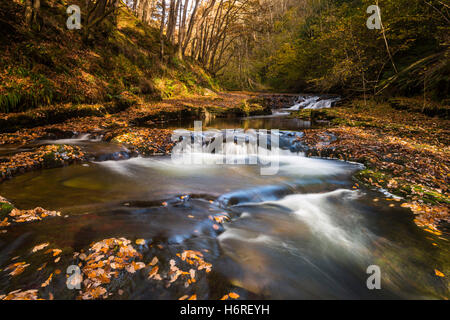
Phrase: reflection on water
(278, 120)
(302, 234)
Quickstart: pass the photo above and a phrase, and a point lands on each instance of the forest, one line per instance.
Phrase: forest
(347, 99)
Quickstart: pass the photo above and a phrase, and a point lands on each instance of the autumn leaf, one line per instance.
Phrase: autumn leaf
(439, 274)
(42, 267)
(56, 252)
(40, 247)
(140, 242)
(153, 272)
(47, 282)
(18, 267)
(233, 295)
(154, 261)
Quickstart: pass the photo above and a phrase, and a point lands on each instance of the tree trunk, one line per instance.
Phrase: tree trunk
(161, 30)
(32, 14)
(28, 12)
(171, 18)
(182, 30)
(191, 27)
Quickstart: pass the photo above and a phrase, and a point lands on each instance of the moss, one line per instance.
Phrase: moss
(324, 114)
(5, 209)
(399, 187)
(246, 109)
(429, 196)
(373, 176)
(216, 110)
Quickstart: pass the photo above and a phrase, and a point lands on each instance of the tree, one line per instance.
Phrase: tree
(96, 12)
(161, 30)
(32, 14)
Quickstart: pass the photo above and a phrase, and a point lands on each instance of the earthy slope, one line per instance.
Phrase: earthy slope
(53, 66)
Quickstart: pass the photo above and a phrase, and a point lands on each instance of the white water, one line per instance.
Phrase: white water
(315, 210)
(244, 153)
(313, 103)
(77, 140)
(301, 234)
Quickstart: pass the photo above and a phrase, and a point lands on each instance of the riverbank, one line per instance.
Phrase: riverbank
(405, 152)
(134, 125)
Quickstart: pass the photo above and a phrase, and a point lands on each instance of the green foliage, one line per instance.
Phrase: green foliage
(19, 97)
(5, 209)
(326, 46)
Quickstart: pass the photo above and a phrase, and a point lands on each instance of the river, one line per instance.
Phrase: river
(304, 233)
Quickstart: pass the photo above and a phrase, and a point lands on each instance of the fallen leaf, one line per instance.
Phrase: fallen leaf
(46, 283)
(153, 272)
(140, 242)
(233, 295)
(154, 261)
(439, 274)
(40, 247)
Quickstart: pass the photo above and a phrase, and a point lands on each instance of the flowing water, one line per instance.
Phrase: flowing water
(314, 103)
(304, 233)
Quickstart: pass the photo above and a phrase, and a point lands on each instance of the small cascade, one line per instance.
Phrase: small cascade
(239, 143)
(313, 103)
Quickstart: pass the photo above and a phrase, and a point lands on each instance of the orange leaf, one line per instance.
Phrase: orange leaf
(439, 274)
(233, 295)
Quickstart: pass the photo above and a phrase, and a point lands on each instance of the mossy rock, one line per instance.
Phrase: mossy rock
(401, 188)
(246, 109)
(314, 115)
(216, 110)
(5, 209)
(429, 196)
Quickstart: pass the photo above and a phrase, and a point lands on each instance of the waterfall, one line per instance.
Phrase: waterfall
(313, 103)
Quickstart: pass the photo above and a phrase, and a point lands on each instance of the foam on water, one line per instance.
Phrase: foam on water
(236, 234)
(315, 209)
(80, 139)
(244, 151)
(313, 103)
(318, 212)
